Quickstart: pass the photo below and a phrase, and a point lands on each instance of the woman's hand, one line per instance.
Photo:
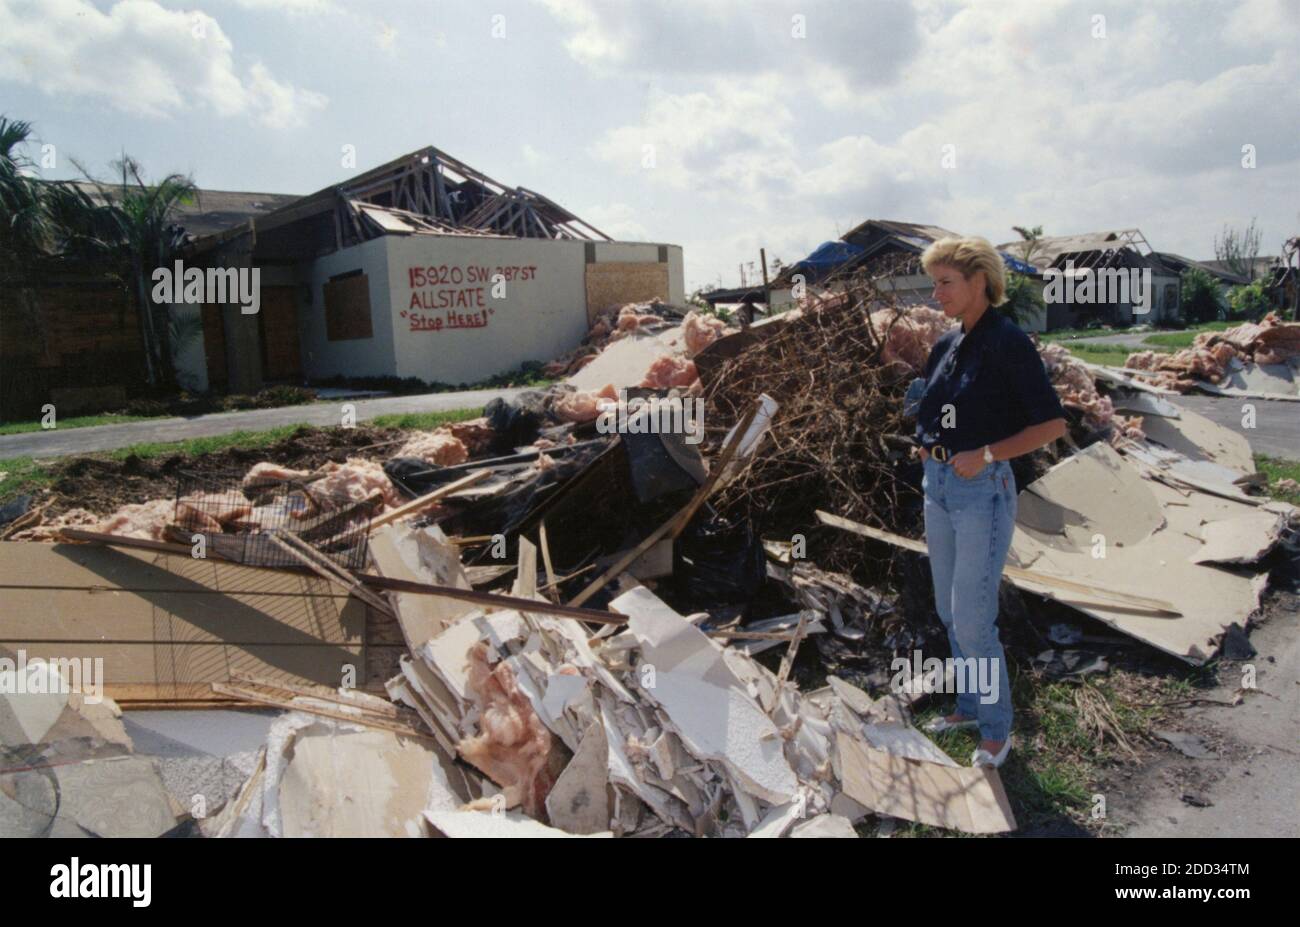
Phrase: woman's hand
(922, 453)
(968, 463)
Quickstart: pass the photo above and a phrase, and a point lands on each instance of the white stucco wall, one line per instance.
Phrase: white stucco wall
(541, 314)
(355, 357)
(435, 314)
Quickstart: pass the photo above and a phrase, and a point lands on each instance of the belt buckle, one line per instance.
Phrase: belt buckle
(939, 453)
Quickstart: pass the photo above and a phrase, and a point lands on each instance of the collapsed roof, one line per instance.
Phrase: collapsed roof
(424, 192)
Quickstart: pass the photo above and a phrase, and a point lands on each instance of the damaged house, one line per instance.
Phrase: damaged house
(422, 267)
(1097, 256)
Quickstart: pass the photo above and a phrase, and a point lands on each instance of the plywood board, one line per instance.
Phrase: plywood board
(168, 626)
(347, 308)
(611, 284)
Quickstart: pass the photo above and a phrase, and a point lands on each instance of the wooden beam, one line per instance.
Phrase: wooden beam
(415, 506)
(373, 580)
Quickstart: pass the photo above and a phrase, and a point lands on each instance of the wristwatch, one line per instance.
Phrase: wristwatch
(988, 454)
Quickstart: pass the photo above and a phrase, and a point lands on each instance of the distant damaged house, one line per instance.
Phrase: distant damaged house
(881, 247)
(423, 267)
(878, 246)
(1113, 277)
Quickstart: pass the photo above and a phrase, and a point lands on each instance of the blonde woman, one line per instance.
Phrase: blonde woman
(985, 398)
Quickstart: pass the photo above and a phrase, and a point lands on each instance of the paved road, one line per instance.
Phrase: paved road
(1252, 782)
(1277, 422)
(62, 443)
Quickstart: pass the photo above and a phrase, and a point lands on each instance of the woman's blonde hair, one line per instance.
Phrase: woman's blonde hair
(968, 255)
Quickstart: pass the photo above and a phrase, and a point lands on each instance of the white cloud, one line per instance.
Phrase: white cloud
(831, 49)
(732, 138)
(142, 59)
(293, 7)
(617, 220)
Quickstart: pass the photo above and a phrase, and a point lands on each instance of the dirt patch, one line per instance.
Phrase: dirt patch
(103, 486)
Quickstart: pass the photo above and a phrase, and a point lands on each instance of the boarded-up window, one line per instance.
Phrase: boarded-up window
(613, 284)
(347, 307)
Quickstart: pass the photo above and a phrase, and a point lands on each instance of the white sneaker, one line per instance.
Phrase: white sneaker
(982, 757)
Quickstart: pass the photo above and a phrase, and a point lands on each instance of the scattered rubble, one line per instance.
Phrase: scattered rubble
(539, 629)
(1259, 357)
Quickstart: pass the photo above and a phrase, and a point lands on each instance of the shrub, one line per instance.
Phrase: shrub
(1250, 301)
(1201, 299)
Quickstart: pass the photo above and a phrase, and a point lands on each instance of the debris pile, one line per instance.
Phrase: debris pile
(545, 629)
(1214, 355)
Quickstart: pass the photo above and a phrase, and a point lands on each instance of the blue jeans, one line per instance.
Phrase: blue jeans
(968, 526)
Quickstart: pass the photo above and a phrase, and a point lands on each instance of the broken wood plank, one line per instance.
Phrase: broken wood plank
(677, 523)
(416, 506)
(375, 581)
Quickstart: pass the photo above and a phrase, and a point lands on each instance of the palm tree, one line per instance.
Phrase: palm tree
(139, 223)
(130, 224)
(26, 232)
(1030, 237)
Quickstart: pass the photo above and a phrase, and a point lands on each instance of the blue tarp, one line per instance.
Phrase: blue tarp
(1018, 265)
(831, 254)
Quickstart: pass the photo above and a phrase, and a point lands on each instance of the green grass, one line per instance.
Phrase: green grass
(1060, 757)
(1111, 355)
(1276, 469)
(424, 421)
(21, 474)
(1184, 339)
(80, 421)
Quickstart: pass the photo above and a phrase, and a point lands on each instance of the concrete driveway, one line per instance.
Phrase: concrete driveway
(65, 442)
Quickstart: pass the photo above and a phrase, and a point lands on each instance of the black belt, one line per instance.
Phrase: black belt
(939, 453)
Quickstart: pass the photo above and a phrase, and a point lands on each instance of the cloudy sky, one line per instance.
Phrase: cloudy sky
(720, 125)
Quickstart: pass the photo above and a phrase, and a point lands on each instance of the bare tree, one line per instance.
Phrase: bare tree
(1238, 250)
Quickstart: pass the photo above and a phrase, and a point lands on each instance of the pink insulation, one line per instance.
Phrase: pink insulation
(700, 331)
(669, 370)
(1269, 341)
(581, 406)
(909, 338)
(140, 520)
(1077, 390)
(358, 479)
(476, 434)
(439, 447)
(513, 746)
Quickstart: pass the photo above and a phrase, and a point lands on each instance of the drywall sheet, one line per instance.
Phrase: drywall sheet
(1093, 519)
(1197, 438)
(625, 362)
(956, 797)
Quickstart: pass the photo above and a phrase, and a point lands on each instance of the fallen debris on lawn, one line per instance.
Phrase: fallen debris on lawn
(1252, 359)
(528, 625)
